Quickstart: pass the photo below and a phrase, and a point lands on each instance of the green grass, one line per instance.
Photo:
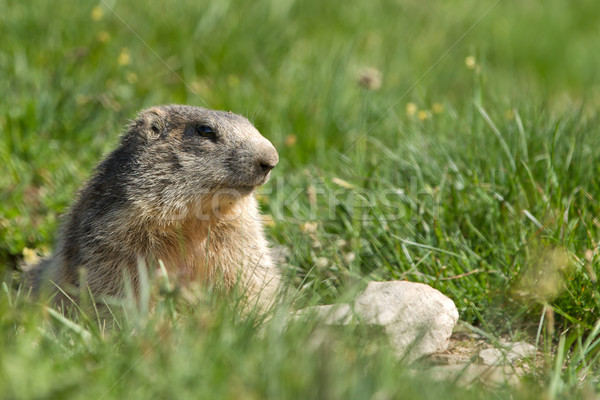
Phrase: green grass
(480, 180)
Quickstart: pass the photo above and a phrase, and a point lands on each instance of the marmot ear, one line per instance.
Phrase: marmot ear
(154, 122)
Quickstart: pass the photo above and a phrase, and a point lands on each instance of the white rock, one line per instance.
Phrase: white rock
(418, 318)
(490, 356)
(511, 353)
(519, 350)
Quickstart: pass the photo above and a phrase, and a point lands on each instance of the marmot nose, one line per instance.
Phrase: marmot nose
(268, 158)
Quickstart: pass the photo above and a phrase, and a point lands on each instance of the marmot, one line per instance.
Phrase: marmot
(179, 188)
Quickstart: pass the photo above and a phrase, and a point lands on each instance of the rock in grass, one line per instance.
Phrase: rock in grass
(418, 318)
(510, 353)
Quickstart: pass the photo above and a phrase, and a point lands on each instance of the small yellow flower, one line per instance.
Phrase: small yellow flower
(509, 115)
(97, 13)
(201, 86)
(470, 62)
(437, 108)
(82, 99)
(131, 77)
(30, 256)
(233, 81)
(196, 86)
(411, 109)
(103, 36)
(423, 114)
(309, 227)
(290, 140)
(124, 57)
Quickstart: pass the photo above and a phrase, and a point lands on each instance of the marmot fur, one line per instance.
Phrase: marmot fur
(179, 188)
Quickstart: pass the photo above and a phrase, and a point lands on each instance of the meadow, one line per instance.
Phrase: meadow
(448, 143)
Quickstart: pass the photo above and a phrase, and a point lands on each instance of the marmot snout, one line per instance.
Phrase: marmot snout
(177, 189)
(267, 156)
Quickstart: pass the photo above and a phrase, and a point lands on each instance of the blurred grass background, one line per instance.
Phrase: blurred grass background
(450, 143)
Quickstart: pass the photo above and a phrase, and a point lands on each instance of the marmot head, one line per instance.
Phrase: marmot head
(190, 153)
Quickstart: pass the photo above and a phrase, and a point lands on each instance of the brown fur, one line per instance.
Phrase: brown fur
(178, 188)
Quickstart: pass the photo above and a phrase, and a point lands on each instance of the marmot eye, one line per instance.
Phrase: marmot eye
(206, 131)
